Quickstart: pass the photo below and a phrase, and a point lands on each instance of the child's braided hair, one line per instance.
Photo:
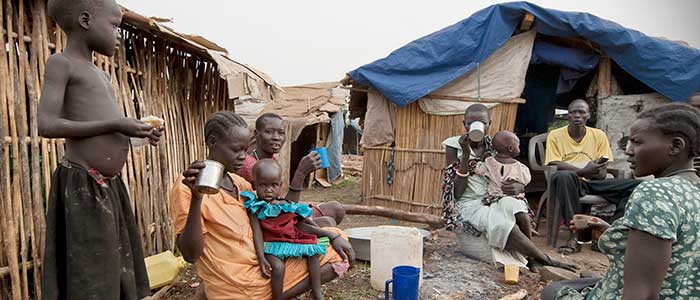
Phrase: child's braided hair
(220, 124)
(677, 119)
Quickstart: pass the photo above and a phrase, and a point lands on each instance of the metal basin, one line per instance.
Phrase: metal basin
(360, 238)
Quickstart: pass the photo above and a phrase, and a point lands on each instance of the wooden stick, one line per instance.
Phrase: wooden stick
(161, 293)
(36, 206)
(4, 271)
(5, 190)
(25, 218)
(15, 200)
(432, 220)
(28, 39)
(448, 97)
(405, 149)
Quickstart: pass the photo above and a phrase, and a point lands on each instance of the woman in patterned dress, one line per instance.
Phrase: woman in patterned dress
(654, 249)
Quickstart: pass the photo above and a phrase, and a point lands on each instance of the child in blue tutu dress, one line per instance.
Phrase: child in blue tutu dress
(282, 229)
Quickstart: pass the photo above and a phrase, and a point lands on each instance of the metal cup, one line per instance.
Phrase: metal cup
(209, 179)
(476, 131)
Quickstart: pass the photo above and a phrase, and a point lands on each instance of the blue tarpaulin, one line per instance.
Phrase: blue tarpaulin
(427, 64)
(574, 63)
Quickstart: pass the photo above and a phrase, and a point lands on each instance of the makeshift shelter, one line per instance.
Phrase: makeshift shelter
(156, 71)
(313, 118)
(502, 56)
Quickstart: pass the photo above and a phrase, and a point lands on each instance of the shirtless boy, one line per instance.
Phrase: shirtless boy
(93, 248)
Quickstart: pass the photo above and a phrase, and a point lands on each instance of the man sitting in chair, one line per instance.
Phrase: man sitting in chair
(581, 155)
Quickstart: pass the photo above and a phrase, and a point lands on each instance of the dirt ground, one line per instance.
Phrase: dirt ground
(448, 274)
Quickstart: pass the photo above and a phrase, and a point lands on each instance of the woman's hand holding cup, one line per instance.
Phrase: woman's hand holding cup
(310, 163)
(190, 175)
(586, 221)
(464, 143)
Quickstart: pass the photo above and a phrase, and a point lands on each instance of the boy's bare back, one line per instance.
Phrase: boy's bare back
(78, 102)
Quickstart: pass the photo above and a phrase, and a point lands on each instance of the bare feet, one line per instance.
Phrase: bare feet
(199, 294)
(534, 265)
(317, 295)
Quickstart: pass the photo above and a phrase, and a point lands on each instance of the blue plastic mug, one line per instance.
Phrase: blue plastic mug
(323, 152)
(405, 283)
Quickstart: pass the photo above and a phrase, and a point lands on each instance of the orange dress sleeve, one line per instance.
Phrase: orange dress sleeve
(180, 198)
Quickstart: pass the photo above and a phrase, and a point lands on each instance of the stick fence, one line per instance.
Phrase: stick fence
(151, 75)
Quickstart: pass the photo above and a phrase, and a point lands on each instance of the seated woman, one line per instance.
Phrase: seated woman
(505, 222)
(270, 136)
(654, 248)
(214, 231)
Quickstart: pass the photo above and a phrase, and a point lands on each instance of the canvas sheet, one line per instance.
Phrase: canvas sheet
(502, 77)
(380, 118)
(502, 74)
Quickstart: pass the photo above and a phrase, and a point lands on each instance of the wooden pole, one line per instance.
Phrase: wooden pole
(11, 238)
(432, 220)
(604, 77)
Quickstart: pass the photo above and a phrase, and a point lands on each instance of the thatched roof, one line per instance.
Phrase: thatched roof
(309, 99)
(242, 79)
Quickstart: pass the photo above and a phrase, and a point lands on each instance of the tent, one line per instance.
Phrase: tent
(520, 60)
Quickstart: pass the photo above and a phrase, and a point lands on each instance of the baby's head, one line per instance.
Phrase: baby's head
(94, 22)
(267, 175)
(506, 142)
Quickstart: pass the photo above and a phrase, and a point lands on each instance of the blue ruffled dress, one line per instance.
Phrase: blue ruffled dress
(279, 225)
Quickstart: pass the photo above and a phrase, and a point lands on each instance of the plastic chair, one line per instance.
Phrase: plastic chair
(536, 156)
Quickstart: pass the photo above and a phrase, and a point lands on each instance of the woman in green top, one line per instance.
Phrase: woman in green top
(654, 249)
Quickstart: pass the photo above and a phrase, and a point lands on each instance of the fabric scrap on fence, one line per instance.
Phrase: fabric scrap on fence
(379, 117)
(335, 149)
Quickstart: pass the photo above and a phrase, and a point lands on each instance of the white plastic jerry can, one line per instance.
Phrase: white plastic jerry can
(393, 246)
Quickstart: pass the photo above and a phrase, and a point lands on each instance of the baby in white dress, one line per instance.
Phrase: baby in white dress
(503, 167)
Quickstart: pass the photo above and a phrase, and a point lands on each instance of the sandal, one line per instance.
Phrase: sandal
(571, 247)
(588, 274)
(558, 264)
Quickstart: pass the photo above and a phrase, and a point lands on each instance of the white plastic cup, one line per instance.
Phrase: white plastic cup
(209, 179)
(476, 131)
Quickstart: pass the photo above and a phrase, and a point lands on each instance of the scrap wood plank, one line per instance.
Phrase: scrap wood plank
(604, 78)
(159, 295)
(527, 22)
